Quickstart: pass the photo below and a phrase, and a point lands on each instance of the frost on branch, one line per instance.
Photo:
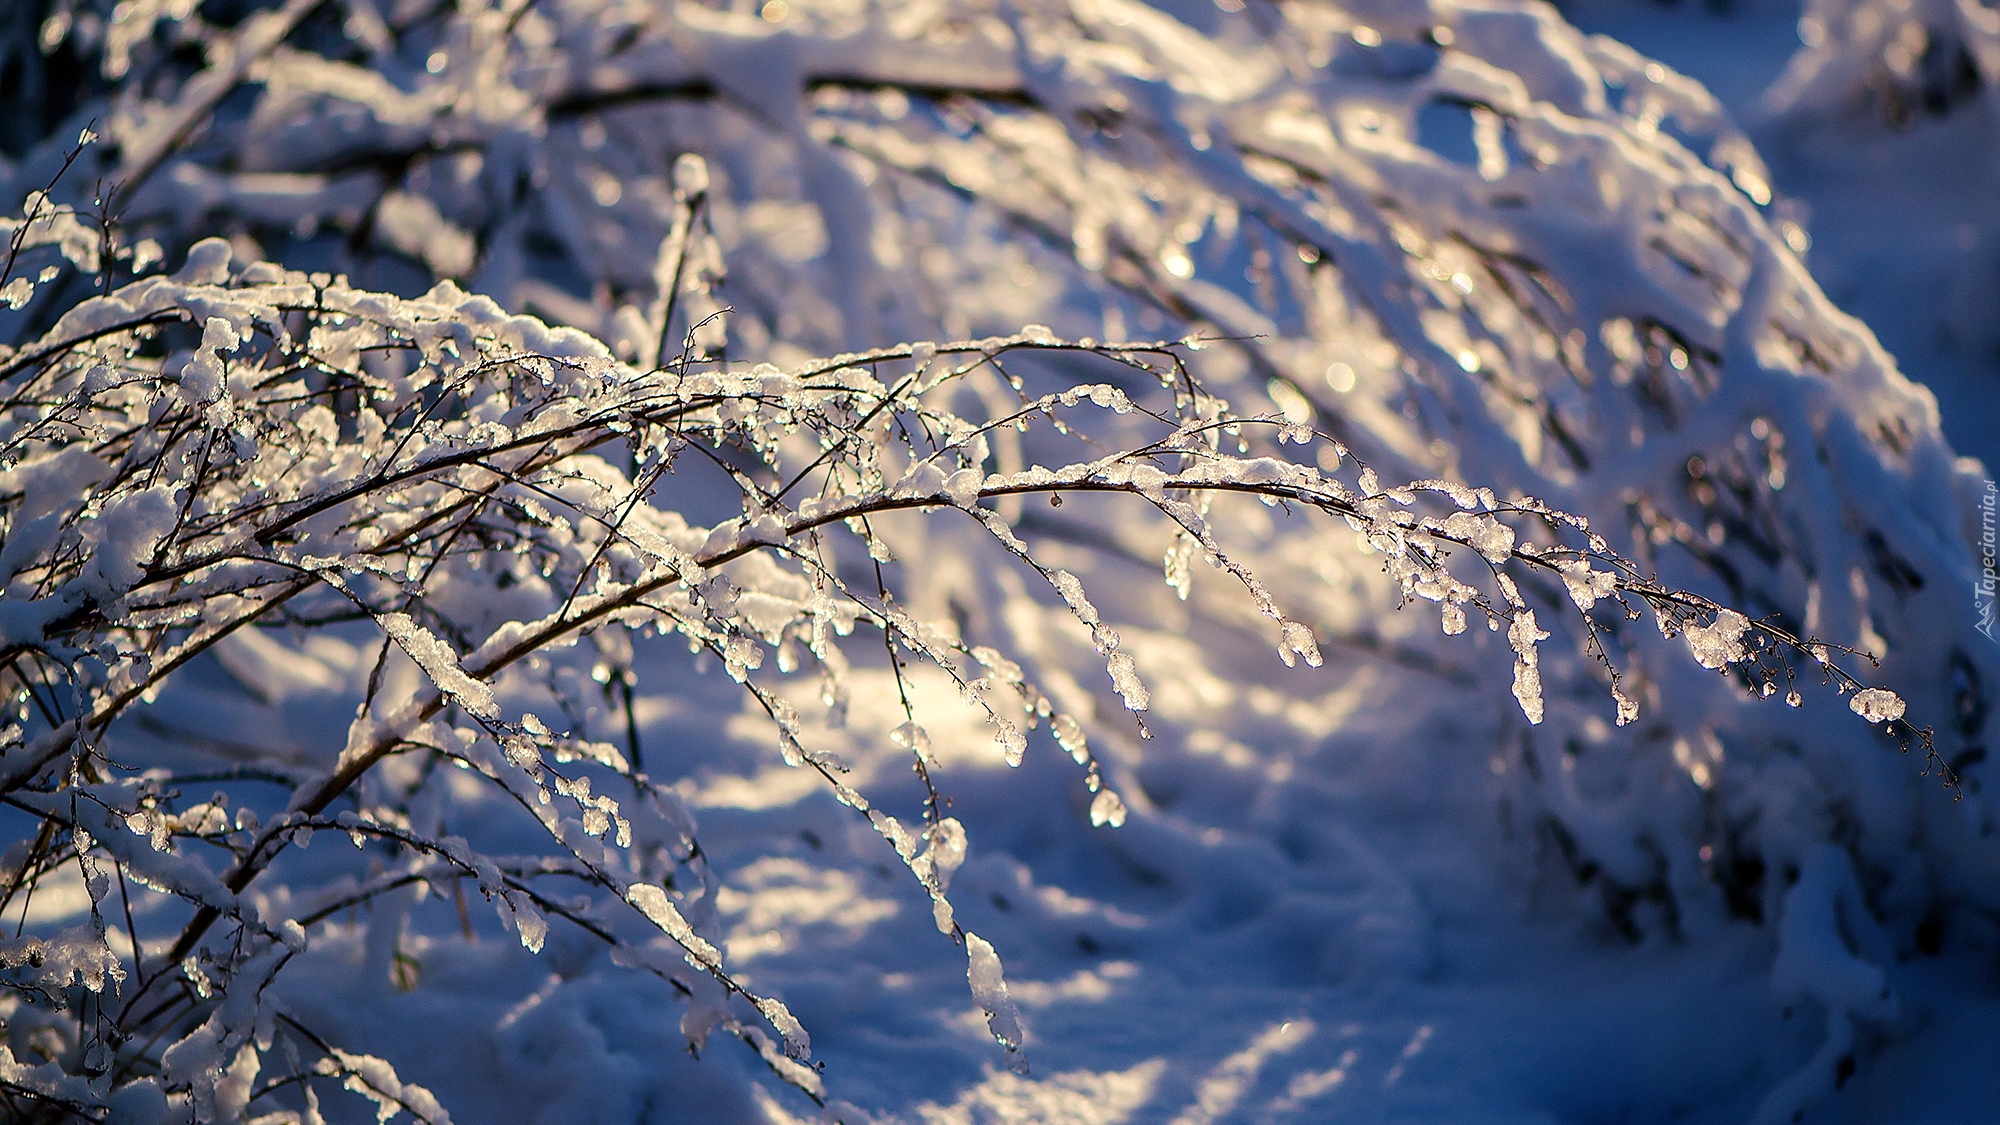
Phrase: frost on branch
(504, 431)
(989, 990)
(441, 665)
(592, 426)
(1877, 705)
(1720, 643)
(1523, 635)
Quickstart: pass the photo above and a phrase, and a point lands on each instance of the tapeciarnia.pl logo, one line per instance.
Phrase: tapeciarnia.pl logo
(1983, 588)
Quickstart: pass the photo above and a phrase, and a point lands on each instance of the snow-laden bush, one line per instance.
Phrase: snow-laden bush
(1464, 242)
(1890, 60)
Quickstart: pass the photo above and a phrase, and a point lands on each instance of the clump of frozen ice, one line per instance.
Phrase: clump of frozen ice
(1720, 643)
(1877, 705)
